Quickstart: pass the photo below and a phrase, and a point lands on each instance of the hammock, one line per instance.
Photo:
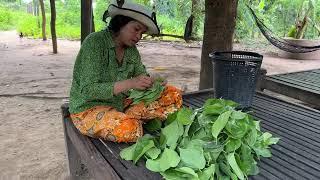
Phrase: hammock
(279, 42)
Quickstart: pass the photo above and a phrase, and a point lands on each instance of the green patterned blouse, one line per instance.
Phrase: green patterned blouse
(96, 70)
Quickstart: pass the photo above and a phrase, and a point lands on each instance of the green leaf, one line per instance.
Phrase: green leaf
(273, 141)
(238, 115)
(233, 163)
(169, 158)
(262, 152)
(187, 128)
(127, 153)
(246, 160)
(231, 103)
(137, 150)
(153, 125)
(183, 173)
(147, 96)
(171, 117)
(143, 145)
(195, 143)
(187, 170)
(153, 153)
(136, 94)
(251, 137)
(207, 173)
(237, 128)
(254, 170)
(192, 157)
(200, 134)
(225, 168)
(194, 128)
(232, 145)
(214, 148)
(220, 124)
(205, 119)
(153, 165)
(214, 109)
(172, 133)
(184, 116)
(268, 140)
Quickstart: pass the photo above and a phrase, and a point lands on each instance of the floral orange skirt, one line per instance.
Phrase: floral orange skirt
(107, 123)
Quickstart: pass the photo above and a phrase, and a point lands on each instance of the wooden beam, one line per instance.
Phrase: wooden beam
(86, 18)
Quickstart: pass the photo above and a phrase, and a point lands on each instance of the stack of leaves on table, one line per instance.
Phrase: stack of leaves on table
(213, 142)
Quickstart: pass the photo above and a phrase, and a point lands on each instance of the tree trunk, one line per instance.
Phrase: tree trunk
(43, 13)
(196, 12)
(93, 29)
(36, 11)
(86, 18)
(53, 26)
(220, 21)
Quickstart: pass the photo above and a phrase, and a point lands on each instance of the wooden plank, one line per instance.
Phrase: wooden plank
(74, 160)
(293, 91)
(302, 84)
(98, 167)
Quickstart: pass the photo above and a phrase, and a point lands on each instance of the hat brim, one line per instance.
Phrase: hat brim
(153, 28)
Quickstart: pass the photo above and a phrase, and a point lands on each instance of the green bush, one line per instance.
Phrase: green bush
(6, 19)
(169, 26)
(28, 25)
(68, 32)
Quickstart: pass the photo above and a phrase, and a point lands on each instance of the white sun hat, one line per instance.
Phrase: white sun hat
(135, 11)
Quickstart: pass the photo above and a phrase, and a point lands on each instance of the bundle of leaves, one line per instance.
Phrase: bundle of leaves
(215, 141)
(149, 95)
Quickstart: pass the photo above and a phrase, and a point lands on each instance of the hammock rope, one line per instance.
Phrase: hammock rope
(279, 42)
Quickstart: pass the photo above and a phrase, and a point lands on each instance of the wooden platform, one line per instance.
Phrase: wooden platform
(296, 156)
(304, 85)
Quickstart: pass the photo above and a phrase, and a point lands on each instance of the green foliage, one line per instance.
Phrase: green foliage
(216, 142)
(279, 16)
(149, 95)
(100, 8)
(29, 26)
(6, 19)
(170, 27)
(172, 15)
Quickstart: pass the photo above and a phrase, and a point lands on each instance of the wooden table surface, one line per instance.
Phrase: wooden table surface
(296, 156)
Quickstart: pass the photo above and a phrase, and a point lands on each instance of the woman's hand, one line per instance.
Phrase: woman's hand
(141, 82)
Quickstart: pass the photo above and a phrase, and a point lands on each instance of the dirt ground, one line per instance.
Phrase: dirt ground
(34, 83)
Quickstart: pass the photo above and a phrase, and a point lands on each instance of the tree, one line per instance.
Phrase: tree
(86, 19)
(36, 11)
(220, 21)
(196, 12)
(53, 26)
(43, 13)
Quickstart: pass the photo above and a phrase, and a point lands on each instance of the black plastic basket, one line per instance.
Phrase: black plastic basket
(235, 74)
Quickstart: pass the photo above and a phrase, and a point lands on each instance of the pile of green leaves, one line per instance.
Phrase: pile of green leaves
(149, 95)
(213, 142)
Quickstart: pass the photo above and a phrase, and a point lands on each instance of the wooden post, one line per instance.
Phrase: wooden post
(86, 18)
(43, 14)
(53, 26)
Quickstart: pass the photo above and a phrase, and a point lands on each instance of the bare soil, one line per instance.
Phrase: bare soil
(34, 83)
